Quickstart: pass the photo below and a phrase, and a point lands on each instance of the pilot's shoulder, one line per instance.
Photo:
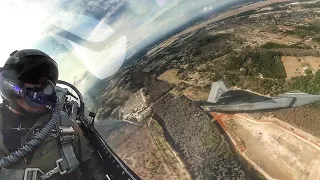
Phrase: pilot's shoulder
(1, 107)
(65, 120)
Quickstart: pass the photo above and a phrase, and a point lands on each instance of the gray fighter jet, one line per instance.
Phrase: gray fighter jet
(223, 100)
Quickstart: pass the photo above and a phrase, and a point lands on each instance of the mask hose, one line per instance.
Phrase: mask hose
(35, 141)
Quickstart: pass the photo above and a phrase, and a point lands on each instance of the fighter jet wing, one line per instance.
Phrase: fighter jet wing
(223, 100)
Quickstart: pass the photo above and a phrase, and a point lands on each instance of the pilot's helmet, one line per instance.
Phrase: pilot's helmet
(26, 66)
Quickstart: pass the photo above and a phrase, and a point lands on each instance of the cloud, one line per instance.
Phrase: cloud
(107, 9)
(160, 2)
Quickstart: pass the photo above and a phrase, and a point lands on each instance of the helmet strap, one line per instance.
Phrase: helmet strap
(13, 106)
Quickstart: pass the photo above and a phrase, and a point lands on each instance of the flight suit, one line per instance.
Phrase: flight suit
(46, 155)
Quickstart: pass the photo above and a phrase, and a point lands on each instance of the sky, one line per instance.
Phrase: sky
(96, 35)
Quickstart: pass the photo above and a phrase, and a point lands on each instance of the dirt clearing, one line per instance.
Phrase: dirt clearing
(253, 36)
(292, 66)
(290, 40)
(278, 38)
(312, 62)
(295, 66)
(305, 118)
(277, 151)
(170, 76)
(196, 94)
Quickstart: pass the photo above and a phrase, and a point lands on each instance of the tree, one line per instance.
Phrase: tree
(317, 77)
(308, 71)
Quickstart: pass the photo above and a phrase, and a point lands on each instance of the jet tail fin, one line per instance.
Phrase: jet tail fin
(217, 89)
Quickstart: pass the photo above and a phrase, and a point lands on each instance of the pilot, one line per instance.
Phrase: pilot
(27, 83)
